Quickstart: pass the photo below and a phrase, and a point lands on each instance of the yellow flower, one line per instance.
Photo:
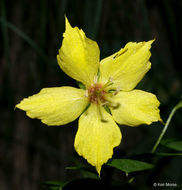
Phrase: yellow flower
(109, 84)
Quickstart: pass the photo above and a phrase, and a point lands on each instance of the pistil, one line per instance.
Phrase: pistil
(102, 94)
(96, 93)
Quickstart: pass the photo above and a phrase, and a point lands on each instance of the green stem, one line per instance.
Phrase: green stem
(179, 105)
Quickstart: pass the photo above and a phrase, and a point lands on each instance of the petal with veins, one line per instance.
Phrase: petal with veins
(55, 106)
(135, 108)
(78, 56)
(128, 66)
(97, 135)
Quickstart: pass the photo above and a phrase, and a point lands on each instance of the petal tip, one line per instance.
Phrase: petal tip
(150, 42)
(98, 168)
(19, 106)
(16, 106)
(161, 120)
(67, 24)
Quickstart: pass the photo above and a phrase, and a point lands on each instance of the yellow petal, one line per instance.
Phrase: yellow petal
(78, 56)
(128, 66)
(135, 108)
(55, 106)
(97, 136)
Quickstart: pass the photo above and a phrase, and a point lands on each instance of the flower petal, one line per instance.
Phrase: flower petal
(128, 66)
(78, 56)
(97, 136)
(55, 106)
(135, 108)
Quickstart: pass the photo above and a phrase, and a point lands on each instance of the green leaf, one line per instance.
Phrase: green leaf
(54, 185)
(128, 165)
(168, 154)
(89, 174)
(176, 145)
(74, 167)
(86, 172)
(165, 141)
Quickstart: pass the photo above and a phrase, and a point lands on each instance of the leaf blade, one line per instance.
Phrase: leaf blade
(128, 165)
(175, 145)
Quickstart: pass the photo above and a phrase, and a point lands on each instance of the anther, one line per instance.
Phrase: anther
(111, 79)
(109, 82)
(104, 103)
(112, 104)
(95, 79)
(101, 115)
(86, 93)
(116, 106)
(117, 90)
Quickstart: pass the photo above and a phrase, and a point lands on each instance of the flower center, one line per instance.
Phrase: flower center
(96, 93)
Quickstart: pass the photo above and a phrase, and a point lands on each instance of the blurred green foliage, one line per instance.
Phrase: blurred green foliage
(30, 36)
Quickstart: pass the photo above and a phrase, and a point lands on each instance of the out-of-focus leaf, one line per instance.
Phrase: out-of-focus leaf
(168, 154)
(176, 145)
(165, 141)
(86, 172)
(89, 174)
(54, 185)
(74, 167)
(128, 165)
(86, 184)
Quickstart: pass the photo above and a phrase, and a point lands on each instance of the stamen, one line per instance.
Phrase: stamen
(117, 90)
(101, 115)
(86, 93)
(112, 104)
(104, 103)
(101, 95)
(109, 82)
(95, 79)
(111, 79)
(96, 93)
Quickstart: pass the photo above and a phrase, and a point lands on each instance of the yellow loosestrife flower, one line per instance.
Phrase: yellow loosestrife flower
(113, 88)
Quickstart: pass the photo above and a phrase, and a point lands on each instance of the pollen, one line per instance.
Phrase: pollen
(96, 93)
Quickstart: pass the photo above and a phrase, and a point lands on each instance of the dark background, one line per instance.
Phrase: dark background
(30, 36)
